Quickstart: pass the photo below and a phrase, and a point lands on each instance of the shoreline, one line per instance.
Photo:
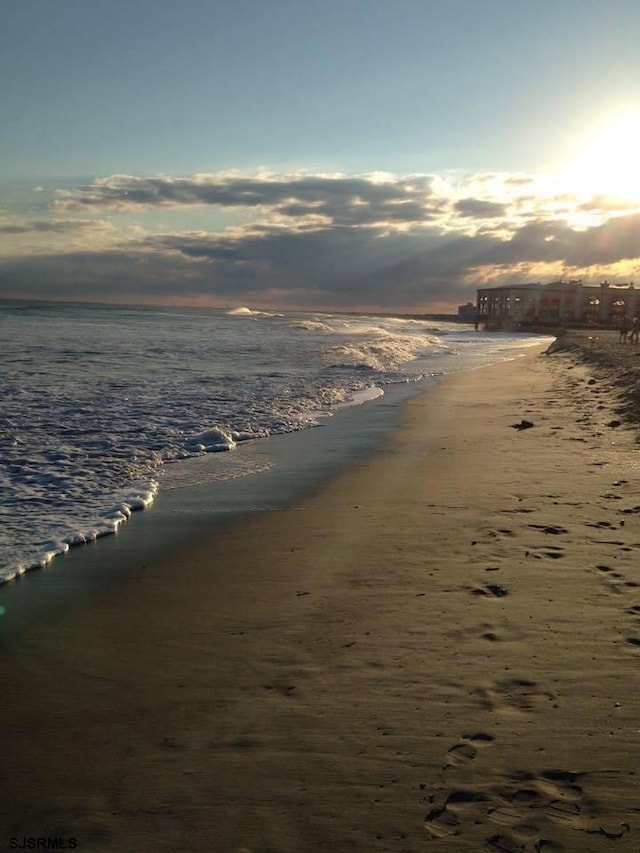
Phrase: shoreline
(285, 466)
(436, 649)
(264, 452)
(55, 530)
(295, 464)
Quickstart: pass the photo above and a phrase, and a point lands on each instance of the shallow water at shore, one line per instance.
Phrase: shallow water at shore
(103, 406)
(285, 469)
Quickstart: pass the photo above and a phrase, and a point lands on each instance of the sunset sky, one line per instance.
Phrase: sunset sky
(343, 154)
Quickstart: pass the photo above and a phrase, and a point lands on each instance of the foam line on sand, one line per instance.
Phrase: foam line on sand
(437, 651)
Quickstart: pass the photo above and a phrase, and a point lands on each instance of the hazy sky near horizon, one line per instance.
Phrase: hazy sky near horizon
(353, 154)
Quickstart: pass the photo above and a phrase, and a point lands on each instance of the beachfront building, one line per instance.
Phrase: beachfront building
(559, 303)
(467, 313)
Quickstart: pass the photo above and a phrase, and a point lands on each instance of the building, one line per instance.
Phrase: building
(467, 313)
(560, 303)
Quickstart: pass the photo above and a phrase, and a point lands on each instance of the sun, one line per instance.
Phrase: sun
(608, 162)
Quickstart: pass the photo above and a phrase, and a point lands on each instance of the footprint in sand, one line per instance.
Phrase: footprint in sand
(618, 584)
(446, 820)
(500, 533)
(491, 590)
(441, 823)
(608, 575)
(460, 754)
(514, 694)
(465, 752)
(560, 783)
(601, 525)
(552, 795)
(630, 546)
(491, 632)
(523, 805)
(490, 636)
(568, 814)
(282, 689)
(545, 552)
(630, 510)
(552, 529)
(616, 581)
(503, 844)
(616, 542)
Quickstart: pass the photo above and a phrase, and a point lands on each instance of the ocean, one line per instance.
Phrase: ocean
(101, 406)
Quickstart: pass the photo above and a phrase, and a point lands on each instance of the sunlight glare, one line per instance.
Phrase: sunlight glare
(609, 161)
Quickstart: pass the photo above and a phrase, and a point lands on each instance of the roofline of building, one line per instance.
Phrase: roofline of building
(558, 285)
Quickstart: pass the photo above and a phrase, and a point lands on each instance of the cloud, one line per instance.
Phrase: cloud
(607, 203)
(53, 226)
(480, 209)
(22, 237)
(337, 266)
(361, 242)
(551, 241)
(368, 200)
(354, 200)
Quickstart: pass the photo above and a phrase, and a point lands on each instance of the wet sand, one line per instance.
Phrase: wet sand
(436, 651)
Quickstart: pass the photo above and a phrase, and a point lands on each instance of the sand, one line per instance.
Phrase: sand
(437, 651)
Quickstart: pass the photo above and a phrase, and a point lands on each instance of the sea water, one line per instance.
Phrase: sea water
(101, 406)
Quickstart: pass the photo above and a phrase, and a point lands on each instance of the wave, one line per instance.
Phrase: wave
(243, 311)
(106, 525)
(311, 326)
(387, 352)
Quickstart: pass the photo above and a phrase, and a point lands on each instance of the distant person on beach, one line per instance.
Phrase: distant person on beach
(624, 329)
(635, 329)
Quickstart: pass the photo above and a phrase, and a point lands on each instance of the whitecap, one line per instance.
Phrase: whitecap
(211, 441)
(241, 311)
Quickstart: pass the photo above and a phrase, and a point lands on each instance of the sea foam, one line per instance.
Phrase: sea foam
(98, 404)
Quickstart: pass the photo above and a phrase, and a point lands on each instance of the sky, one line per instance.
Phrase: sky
(390, 155)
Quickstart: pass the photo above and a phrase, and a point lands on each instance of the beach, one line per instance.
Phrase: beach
(436, 650)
